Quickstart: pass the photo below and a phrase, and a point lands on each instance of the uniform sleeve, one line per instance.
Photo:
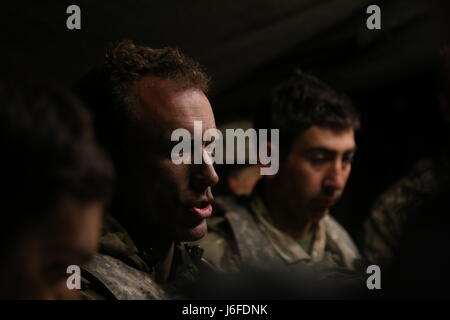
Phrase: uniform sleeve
(92, 289)
(382, 232)
(91, 292)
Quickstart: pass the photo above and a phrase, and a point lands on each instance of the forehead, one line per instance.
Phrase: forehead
(162, 104)
(326, 138)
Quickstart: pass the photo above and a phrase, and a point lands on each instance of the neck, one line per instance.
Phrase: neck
(161, 252)
(164, 266)
(284, 212)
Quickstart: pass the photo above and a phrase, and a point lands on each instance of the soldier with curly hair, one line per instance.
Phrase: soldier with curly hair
(139, 96)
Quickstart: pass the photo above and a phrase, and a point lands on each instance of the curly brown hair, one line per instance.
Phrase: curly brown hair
(126, 62)
(106, 90)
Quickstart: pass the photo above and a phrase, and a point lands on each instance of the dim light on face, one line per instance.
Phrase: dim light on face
(37, 266)
(317, 168)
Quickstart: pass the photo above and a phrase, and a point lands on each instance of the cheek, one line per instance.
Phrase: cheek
(311, 181)
(82, 232)
(91, 231)
(85, 229)
(24, 277)
(61, 292)
(175, 176)
(347, 174)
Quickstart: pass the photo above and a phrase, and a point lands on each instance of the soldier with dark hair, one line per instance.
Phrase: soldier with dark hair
(55, 182)
(139, 96)
(286, 220)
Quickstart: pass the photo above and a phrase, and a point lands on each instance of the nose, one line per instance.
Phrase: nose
(336, 177)
(205, 176)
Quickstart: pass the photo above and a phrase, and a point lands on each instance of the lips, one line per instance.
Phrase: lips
(204, 210)
(325, 202)
(199, 208)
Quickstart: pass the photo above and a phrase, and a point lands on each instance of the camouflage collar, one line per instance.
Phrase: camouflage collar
(287, 247)
(329, 239)
(117, 243)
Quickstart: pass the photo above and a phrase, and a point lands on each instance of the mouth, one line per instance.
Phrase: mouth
(202, 210)
(325, 202)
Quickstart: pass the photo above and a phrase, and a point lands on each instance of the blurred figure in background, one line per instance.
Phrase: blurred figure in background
(384, 230)
(286, 219)
(240, 177)
(55, 182)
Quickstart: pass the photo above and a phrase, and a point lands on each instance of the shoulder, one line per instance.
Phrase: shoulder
(220, 251)
(382, 231)
(337, 232)
(418, 183)
(219, 245)
(221, 226)
(111, 278)
(337, 235)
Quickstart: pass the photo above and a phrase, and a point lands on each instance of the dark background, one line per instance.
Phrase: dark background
(248, 46)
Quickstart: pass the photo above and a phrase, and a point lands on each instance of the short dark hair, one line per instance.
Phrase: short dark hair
(48, 152)
(106, 89)
(303, 101)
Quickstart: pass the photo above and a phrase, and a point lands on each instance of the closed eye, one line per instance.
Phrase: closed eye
(348, 158)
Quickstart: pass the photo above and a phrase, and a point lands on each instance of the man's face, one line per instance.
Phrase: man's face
(174, 199)
(317, 169)
(37, 264)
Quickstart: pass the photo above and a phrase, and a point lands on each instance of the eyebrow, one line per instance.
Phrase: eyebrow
(327, 151)
(191, 141)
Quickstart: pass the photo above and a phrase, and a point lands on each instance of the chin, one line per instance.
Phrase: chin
(193, 233)
(318, 215)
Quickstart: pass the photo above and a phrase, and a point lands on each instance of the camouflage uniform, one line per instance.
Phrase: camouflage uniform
(385, 227)
(121, 271)
(241, 234)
